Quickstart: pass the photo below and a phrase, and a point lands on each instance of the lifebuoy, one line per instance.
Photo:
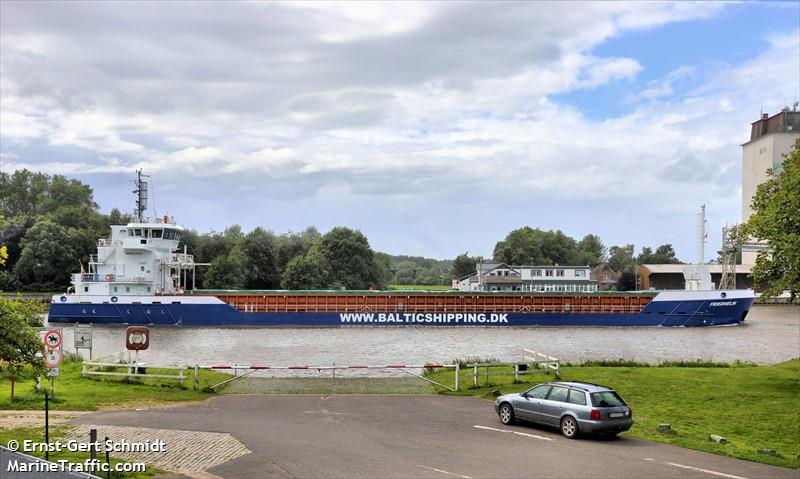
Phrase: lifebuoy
(114, 299)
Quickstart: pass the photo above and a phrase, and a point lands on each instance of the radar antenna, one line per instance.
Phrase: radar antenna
(141, 196)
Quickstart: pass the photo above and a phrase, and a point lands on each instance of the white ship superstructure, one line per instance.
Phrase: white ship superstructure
(138, 258)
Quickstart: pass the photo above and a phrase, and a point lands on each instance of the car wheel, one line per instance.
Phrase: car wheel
(506, 414)
(569, 427)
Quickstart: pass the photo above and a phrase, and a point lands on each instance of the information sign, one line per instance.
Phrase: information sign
(83, 336)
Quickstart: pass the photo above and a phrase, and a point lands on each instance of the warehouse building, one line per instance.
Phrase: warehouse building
(662, 277)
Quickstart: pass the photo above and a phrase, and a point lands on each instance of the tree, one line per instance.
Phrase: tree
(260, 269)
(351, 260)
(227, 272)
(533, 246)
(776, 220)
(309, 271)
(664, 255)
(464, 265)
(591, 250)
(622, 261)
(18, 341)
(46, 259)
(3, 249)
(291, 245)
(621, 258)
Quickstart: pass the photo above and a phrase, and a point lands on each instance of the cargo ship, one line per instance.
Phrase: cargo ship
(138, 277)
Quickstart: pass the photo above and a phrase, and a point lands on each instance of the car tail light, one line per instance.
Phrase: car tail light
(595, 415)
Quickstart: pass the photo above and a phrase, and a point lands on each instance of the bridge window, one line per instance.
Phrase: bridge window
(155, 234)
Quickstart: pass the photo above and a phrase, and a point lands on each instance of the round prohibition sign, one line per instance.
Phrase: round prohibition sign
(53, 339)
(52, 358)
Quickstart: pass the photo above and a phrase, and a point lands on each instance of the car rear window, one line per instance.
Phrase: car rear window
(577, 397)
(607, 399)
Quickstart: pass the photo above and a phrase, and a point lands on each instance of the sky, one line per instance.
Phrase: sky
(434, 128)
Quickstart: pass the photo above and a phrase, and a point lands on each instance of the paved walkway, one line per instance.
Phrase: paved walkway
(189, 453)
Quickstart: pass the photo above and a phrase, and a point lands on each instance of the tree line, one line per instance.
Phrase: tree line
(532, 246)
(50, 224)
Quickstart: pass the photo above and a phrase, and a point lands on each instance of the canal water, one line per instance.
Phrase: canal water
(771, 334)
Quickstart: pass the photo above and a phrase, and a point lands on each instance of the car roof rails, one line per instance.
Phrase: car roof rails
(593, 384)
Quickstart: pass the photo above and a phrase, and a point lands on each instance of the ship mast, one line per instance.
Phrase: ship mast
(141, 196)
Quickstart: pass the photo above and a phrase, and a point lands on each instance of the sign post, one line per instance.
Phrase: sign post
(137, 338)
(53, 354)
(83, 337)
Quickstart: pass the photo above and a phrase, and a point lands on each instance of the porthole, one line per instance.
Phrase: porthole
(129, 311)
(147, 310)
(723, 295)
(83, 310)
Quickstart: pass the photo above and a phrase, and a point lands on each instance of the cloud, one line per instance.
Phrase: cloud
(664, 86)
(414, 106)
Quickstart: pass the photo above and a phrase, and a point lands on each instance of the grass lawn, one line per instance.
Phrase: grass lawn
(76, 393)
(753, 407)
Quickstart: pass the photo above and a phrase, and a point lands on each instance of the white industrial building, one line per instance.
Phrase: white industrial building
(770, 138)
(504, 277)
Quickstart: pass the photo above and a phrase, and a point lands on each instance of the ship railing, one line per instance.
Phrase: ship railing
(250, 306)
(181, 258)
(540, 360)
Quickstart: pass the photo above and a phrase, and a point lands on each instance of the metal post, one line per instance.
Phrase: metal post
(475, 375)
(108, 460)
(93, 444)
(516, 372)
(196, 377)
(458, 368)
(46, 426)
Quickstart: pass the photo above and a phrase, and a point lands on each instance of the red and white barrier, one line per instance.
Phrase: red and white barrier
(391, 366)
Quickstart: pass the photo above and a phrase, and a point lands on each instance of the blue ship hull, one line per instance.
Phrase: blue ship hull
(656, 313)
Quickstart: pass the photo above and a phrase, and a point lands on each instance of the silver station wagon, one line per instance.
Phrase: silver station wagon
(573, 407)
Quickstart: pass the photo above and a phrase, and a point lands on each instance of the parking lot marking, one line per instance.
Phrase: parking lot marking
(707, 471)
(443, 472)
(514, 432)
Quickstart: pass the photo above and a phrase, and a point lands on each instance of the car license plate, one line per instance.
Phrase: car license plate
(616, 414)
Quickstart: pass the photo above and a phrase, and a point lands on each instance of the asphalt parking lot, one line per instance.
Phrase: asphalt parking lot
(417, 436)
